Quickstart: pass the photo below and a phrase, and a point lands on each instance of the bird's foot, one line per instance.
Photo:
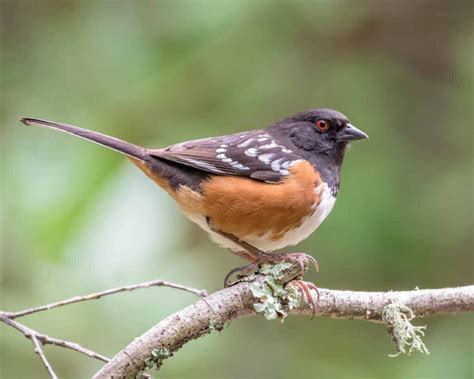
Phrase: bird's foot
(305, 289)
(301, 259)
(241, 272)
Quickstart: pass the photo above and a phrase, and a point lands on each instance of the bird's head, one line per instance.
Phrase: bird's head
(320, 136)
(322, 131)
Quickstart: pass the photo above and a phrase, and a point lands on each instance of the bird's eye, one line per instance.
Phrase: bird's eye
(322, 125)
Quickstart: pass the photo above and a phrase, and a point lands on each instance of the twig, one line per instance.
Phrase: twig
(212, 313)
(98, 295)
(45, 339)
(40, 352)
(39, 339)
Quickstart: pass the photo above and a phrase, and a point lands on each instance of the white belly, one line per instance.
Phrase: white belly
(292, 237)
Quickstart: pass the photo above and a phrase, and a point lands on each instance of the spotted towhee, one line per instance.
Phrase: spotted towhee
(253, 192)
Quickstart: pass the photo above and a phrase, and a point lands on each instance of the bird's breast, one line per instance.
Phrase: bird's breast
(308, 225)
(268, 216)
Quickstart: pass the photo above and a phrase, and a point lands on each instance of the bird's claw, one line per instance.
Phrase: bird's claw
(305, 289)
(242, 272)
(302, 259)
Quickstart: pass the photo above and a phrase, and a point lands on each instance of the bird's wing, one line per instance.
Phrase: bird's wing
(253, 154)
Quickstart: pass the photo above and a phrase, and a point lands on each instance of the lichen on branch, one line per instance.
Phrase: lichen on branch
(406, 336)
(275, 297)
(270, 294)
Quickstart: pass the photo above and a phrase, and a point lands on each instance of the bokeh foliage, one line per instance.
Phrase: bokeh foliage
(77, 218)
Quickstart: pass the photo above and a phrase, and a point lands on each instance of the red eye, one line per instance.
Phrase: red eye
(322, 125)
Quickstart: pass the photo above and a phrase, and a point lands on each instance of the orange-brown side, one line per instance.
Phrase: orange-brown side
(189, 201)
(244, 207)
(163, 183)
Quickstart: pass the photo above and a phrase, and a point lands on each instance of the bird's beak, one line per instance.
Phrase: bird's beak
(351, 133)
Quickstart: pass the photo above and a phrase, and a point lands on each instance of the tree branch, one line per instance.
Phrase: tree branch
(47, 340)
(272, 293)
(98, 295)
(40, 352)
(39, 339)
(211, 313)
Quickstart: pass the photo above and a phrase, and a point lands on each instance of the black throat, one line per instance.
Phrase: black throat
(325, 157)
(329, 166)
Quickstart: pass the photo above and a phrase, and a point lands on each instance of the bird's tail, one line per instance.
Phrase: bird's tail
(116, 144)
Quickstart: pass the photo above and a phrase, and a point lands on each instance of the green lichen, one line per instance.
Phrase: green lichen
(276, 271)
(275, 298)
(157, 356)
(216, 326)
(294, 297)
(405, 335)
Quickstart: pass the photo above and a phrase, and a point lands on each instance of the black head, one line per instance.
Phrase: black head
(319, 135)
(318, 131)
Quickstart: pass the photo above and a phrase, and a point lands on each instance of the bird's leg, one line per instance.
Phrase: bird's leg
(243, 254)
(257, 256)
(249, 252)
(242, 272)
(301, 259)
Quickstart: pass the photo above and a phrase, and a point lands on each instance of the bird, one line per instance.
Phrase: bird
(254, 192)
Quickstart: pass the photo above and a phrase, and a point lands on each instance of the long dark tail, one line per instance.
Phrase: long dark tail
(116, 144)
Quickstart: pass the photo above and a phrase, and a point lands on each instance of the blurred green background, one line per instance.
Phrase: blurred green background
(77, 218)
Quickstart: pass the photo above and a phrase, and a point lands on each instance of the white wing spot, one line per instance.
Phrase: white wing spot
(285, 150)
(276, 164)
(245, 143)
(203, 164)
(221, 156)
(239, 166)
(266, 158)
(270, 145)
(286, 165)
(252, 152)
(221, 150)
(261, 139)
